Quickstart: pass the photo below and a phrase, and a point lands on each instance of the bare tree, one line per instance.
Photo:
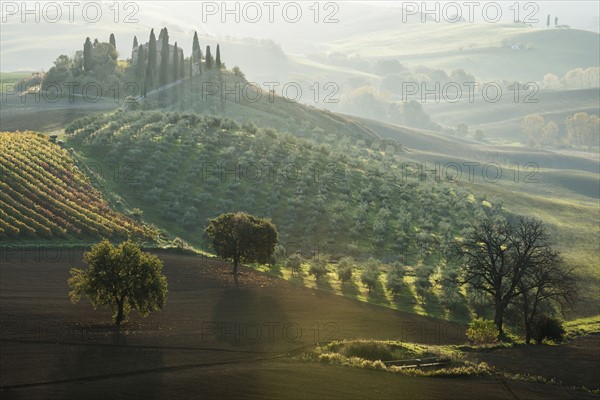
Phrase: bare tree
(500, 258)
(546, 283)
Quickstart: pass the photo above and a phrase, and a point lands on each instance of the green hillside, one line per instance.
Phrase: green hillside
(46, 197)
(350, 198)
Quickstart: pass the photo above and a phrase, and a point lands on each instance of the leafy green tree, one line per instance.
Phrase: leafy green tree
(87, 55)
(395, 278)
(423, 274)
(318, 267)
(242, 237)
(294, 262)
(218, 57)
(370, 274)
(345, 269)
(121, 278)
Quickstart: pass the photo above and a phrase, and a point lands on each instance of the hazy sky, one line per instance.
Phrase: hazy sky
(32, 45)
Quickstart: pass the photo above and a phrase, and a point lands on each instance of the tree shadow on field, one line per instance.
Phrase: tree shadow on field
(250, 319)
(298, 278)
(92, 358)
(350, 288)
(404, 300)
(324, 283)
(276, 270)
(377, 294)
(432, 306)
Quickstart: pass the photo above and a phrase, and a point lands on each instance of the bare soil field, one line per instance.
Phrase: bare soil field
(212, 340)
(574, 364)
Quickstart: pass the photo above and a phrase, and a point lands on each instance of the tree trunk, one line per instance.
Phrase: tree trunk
(527, 334)
(118, 320)
(498, 317)
(235, 266)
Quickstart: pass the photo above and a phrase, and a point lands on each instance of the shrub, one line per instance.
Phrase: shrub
(545, 327)
(482, 331)
(395, 278)
(318, 268)
(367, 349)
(294, 262)
(370, 274)
(345, 269)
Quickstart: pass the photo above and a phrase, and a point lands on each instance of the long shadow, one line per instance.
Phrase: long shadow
(460, 311)
(432, 305)
(84, 356)
(324, 283)
(404, 300)
(250, 318)
(276, 270)
(350, 289)
(377, 293)
(298, 278)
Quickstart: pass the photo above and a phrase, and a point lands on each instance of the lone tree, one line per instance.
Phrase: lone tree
(112, 41)
(500, 258)
(135, 42)
(121, 278)
(242, 237)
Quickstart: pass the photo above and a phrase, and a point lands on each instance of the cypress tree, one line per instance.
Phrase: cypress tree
(164, 59)
(181, 65)
(218, 58)
(196, 53)
(135, 42)
(113, 45)
(208, 58)
(141, 64)
(175, 63)
(151, 63)
(87, 55)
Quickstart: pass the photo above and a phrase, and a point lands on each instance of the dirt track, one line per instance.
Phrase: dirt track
(210, 341)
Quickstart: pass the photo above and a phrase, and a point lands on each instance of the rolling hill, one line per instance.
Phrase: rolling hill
(46, 197)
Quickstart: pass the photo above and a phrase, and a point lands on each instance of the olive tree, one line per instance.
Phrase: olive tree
(121, 278)
(242, 237)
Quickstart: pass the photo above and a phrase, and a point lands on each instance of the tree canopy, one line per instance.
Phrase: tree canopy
(242, 237)
(121, 278)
